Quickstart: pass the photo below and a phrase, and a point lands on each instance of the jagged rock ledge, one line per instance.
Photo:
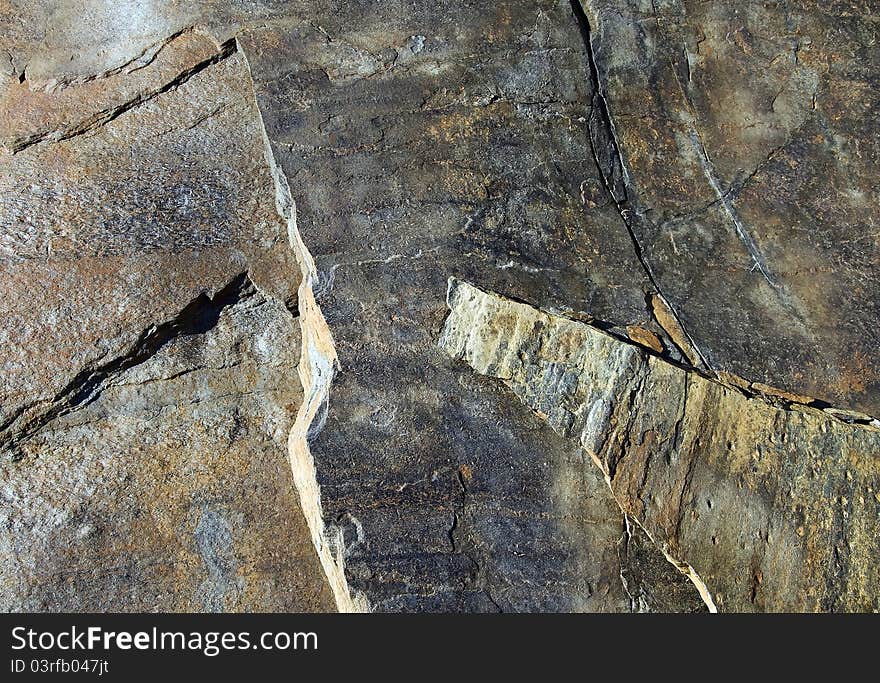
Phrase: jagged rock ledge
(317, 365)
(774, 508)
(150, 393)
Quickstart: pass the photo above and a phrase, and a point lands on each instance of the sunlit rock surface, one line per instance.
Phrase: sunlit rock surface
(269, 198)
(766, 507)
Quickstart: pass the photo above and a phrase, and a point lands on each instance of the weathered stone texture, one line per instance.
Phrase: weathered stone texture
(180, 180)
(774, 508)
(420, 140)
(747, 134)
(170, 490)
(91, 233)
(150, 347)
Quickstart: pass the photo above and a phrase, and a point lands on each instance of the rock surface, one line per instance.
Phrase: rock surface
(150, 348)
(742, 151)
(269, 197)
(765, 507)
(169, 491)
(414, 150)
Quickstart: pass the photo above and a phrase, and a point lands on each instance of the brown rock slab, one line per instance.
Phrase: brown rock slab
(150, 347)
(765, 508)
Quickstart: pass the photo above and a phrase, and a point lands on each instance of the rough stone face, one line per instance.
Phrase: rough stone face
(150, 347)
(415, 146)
(769, 508)
(742, 150)
(170, 490)
(135, 237)
(270, 196)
